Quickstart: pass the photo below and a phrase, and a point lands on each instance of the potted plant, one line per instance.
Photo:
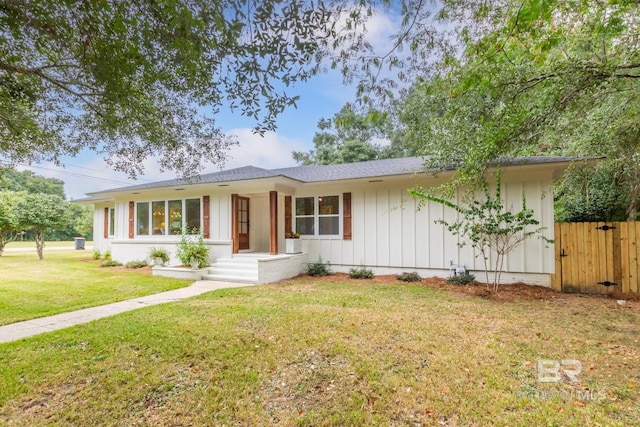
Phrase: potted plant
(159, 256)
(192, 251)
(293, 244)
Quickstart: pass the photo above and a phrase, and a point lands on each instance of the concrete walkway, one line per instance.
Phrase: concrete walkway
(28, 328)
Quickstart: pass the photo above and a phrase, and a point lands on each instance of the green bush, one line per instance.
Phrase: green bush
(361, 273)
(409, 277)
(96, 254)
(462, 279)
(192, 250)
(110, 263)
(136, 264)
(107, 255)
(318, 269)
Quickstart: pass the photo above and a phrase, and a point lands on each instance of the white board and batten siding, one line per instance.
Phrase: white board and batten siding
(391, 235)
(125, 249)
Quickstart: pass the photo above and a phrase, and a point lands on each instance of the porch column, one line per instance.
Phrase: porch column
(273, 222)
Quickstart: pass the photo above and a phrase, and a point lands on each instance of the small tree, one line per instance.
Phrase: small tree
(40, 212)
(489, 227)
(8, 218)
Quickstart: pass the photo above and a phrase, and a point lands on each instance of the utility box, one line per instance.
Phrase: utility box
(79, 242)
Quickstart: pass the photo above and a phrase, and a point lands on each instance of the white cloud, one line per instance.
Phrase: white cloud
(269, 151)
(380, 29)
(81, 177)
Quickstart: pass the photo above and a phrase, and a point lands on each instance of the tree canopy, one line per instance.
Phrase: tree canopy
(549, 77)
(132, 79)
(11, 179)
(39, 213)
(14, 185)
(351, 137)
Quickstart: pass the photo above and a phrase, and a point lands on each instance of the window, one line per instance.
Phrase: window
(157, 217)
(164, 217)
(112, 221)
(175, 216)
(193, 214)
(142, 218)
(318, 215)
(328, 215)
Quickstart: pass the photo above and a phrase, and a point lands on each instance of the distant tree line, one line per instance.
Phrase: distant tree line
(34, 208)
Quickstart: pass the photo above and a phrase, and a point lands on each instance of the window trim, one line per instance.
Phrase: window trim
(166, 215)
(316, 217)
(112, 222)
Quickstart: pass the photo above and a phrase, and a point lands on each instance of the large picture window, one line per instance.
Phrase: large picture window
(163, 217)
(318, 216)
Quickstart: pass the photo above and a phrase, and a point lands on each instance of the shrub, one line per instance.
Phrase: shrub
(192, 250)
(110, 263)
(409, 277)
(136, 264)
(107, 255)
(96, 254)
(461, 279)
(361, 273)
(318, 269)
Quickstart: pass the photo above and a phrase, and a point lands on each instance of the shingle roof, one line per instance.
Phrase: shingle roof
(320, 173)
(373, 168)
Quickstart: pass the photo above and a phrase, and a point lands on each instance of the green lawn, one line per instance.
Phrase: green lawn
(319, 353)
(19, 244)
(65, 281)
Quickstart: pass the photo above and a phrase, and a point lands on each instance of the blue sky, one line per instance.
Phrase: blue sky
(321, 97)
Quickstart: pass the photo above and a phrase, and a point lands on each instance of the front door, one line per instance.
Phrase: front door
(243, 222)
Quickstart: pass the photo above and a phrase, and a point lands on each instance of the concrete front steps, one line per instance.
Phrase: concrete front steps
(239, 268)
(243, 268)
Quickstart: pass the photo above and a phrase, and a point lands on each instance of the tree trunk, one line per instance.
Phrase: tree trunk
(38, 235)
(632, 209)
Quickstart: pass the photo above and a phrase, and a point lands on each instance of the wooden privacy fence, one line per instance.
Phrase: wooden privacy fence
(597, 257)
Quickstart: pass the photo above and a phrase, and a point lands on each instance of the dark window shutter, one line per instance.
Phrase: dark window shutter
(288, 224)
(205, 217)
(106, 223)
(131, 219)
(346, 216)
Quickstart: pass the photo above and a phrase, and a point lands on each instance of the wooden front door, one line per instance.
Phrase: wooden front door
(243, 222)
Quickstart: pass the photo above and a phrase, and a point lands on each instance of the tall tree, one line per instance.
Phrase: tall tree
(355, 137)
(39, 213)
(550, 77)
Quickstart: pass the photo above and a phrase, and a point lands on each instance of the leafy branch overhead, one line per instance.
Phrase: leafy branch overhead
(555, 77)
(134, 79)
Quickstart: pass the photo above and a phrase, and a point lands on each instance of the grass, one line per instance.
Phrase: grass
(65, 281)
(308, 352)
(19, 244)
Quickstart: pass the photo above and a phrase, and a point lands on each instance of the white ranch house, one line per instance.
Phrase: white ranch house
(349, 215)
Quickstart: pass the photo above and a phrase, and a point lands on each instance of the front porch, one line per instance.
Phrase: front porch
(251, 267)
